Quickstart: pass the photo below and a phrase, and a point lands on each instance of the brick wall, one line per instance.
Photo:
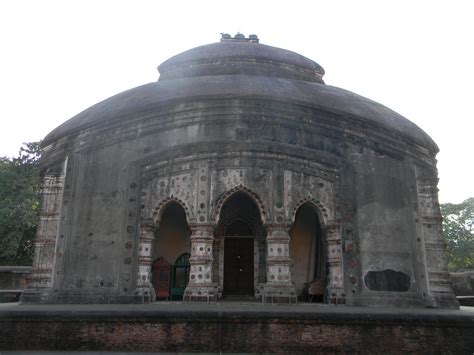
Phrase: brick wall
(236, 332)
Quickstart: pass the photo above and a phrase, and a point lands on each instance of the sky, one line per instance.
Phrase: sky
(59, 57)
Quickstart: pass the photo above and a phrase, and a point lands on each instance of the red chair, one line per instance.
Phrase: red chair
(161, 277)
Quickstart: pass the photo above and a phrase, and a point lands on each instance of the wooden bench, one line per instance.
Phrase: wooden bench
(272, 296)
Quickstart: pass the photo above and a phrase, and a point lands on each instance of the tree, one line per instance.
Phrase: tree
(19, 205)
(458, 232)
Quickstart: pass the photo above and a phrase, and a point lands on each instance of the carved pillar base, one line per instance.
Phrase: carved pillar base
(40, 280)
(144, 291)
(442, 295)
(39, 288)
(279, 287)
(200, 287)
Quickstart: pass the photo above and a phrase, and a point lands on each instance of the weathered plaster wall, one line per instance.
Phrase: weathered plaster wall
(386, 227)
(94, 232)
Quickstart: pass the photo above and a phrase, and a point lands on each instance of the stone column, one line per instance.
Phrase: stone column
(335, 286)
(200, 286)
(144, 291)
(279, 286)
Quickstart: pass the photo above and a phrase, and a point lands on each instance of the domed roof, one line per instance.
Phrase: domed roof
(241, 69)
(247, 58)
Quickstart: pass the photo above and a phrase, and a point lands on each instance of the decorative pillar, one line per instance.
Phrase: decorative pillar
(279, 286)
(335, 287)
(437, 275)
(200, 286)
(144, 291)
(41, 278)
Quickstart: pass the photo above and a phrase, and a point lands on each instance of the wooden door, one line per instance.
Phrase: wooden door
(238, 266)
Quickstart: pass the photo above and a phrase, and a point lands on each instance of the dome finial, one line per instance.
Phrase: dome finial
(239, 37)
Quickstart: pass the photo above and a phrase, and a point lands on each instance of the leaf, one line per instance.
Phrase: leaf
(19, 205)
(458, 232)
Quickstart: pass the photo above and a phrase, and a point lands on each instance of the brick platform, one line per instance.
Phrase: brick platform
(235, 327)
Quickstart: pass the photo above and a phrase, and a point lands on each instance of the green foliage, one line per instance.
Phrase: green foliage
(458, 232)
(19, 205)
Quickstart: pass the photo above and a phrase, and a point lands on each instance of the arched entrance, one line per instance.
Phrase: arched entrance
(243, 238)
(172, 246)
(308, 255)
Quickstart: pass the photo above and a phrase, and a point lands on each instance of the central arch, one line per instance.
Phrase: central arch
(242, 236)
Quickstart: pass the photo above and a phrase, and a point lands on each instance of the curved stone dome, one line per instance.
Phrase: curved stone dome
(243, 70)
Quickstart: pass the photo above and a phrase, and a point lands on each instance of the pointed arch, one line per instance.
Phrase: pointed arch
(319, 208)
(163, 204)
(229, 193)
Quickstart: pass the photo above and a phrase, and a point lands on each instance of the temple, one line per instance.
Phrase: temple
(240, 174)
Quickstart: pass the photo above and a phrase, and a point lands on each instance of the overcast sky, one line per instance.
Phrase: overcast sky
(59, 57)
